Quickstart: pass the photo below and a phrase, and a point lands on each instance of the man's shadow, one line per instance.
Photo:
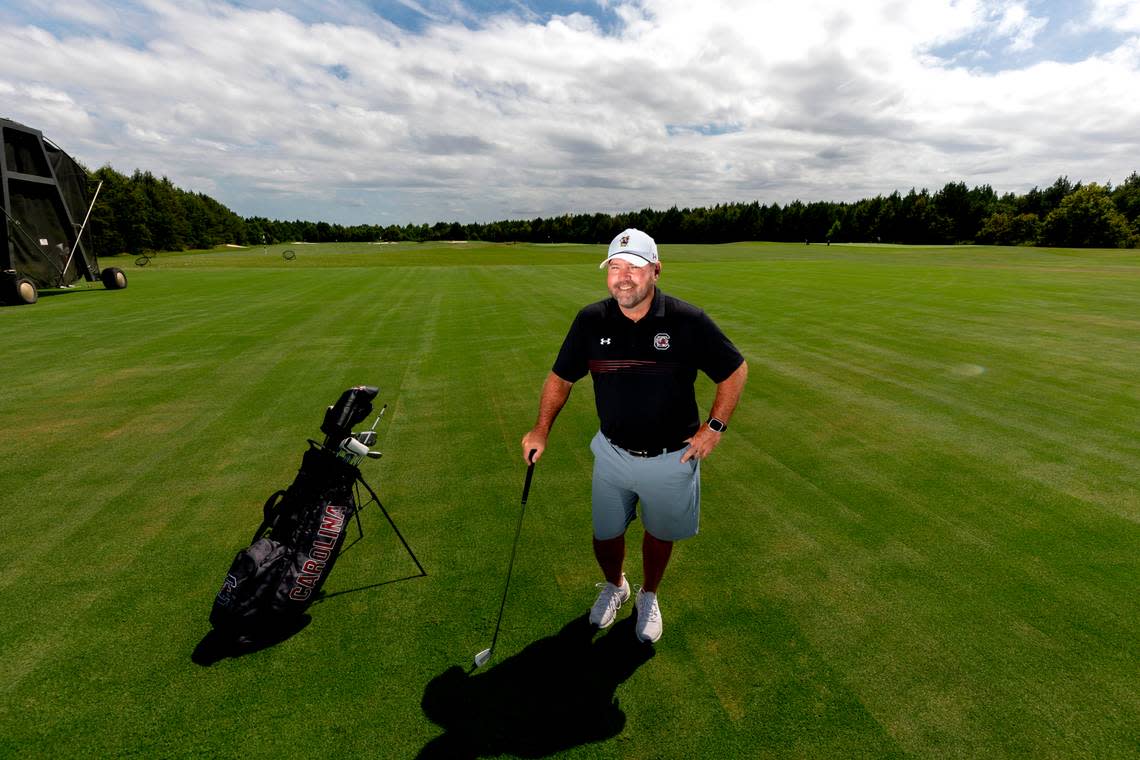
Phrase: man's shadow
(557, 693)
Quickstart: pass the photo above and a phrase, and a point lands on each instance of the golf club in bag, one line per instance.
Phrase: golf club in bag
(275, 579)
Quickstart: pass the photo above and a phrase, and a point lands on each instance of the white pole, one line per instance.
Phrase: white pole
(83, 227)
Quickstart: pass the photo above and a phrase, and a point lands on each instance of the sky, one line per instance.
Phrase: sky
(418, 111)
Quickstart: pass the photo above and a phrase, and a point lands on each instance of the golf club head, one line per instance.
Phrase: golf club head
(354, 447)
(482, 657)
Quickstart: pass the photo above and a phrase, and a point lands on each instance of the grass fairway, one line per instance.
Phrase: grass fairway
(920, 537)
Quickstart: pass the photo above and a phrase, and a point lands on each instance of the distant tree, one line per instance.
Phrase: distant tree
(1059, 191)
(1041, 202)
(746, 221)
(1008, 228)
(1087, 218)
(136, 212)
(961, 211)
(918, 221)
(835, 231)
(197, 216)
(669, 226)
(107, 233)
(693, 227)
(887, 227)
(861, 219)
(981, 202)
(817, 219)
(1126, 197)
(953, 214)
(793, 227)
(770, 223)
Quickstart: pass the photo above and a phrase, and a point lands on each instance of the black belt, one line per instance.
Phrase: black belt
(647, 453)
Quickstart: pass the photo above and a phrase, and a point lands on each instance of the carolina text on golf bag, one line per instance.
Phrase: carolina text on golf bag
(293, 551)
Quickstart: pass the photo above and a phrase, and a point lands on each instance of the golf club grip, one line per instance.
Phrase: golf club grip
(529, 475)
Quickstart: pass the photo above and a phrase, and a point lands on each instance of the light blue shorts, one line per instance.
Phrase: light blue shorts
(669, 492)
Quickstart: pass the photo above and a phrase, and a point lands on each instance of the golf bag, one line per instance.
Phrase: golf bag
(275, 579)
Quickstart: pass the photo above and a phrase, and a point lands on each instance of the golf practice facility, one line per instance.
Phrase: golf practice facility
(920, 536)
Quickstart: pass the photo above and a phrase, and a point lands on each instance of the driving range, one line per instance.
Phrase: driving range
(920, 536)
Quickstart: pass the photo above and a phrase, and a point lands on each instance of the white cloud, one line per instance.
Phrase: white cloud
(351, 119)
(1121, 15)
(1019, 26)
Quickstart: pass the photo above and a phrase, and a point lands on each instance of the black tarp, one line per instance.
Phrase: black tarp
(45, 197)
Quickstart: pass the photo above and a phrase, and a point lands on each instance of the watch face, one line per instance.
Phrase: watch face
(716, 425)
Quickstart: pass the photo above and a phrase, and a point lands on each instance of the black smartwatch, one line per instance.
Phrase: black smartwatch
(716, 425)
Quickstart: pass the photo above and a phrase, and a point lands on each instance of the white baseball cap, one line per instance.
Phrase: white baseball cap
(633, 246)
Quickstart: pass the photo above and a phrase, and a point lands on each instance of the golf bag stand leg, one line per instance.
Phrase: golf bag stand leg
(399, 535)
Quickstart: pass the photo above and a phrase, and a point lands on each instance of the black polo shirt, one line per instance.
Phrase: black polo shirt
(644, 371)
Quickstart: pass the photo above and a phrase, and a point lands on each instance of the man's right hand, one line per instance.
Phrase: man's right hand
(533, 441)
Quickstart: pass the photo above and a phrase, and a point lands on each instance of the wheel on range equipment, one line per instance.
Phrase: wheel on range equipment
(113, 278)
(20, 291)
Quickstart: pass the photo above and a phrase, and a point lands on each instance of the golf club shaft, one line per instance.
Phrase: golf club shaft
(514, 547)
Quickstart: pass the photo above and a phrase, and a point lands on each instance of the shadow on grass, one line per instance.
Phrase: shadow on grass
(216, 645)
(325, 597)
(556, 694)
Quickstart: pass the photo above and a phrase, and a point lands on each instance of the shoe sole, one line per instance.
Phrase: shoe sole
(647, 640)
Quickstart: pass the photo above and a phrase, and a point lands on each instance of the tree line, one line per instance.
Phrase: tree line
(141, 213)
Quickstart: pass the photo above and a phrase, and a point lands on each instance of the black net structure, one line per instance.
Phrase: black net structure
(47, 201)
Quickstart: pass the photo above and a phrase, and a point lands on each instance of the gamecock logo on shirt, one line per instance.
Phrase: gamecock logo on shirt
(661, 341)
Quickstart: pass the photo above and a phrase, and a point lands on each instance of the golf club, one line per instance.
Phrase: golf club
(482, 657)
(368, 437)
(354, 448)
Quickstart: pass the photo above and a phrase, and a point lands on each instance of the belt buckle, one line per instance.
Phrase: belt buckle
(638, 453)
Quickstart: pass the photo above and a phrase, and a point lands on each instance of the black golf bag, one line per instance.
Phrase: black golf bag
(275, 579)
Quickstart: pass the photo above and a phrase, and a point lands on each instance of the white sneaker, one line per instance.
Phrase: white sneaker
(610, 599)
(648, 616)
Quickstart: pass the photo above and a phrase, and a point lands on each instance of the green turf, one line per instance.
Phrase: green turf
(920, 537)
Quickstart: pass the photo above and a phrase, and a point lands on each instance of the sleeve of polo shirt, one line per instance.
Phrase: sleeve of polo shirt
(719, 358)
(572, 363)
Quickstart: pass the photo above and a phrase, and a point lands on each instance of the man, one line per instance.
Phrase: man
(643, 349)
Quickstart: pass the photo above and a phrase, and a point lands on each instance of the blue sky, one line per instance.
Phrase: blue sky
(1038, 32)
(415, 16)
(397, 111)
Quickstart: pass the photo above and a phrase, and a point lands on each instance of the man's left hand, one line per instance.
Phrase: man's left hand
(701, 444)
